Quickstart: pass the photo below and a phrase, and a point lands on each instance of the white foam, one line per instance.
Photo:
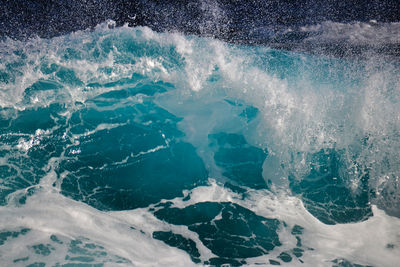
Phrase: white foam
(325, 104)
(374, 242)
(48, 213)
(34, 140)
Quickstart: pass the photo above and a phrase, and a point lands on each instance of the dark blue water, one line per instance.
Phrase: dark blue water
(124, 146)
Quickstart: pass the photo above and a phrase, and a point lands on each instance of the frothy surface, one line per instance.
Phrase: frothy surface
(126, 147)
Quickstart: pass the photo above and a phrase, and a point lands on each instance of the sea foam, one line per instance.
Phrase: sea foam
(124, 146)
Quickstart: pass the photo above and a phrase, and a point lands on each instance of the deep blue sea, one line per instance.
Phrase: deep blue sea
(125, 146)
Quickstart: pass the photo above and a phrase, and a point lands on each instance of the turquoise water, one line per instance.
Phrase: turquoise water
(127, 147)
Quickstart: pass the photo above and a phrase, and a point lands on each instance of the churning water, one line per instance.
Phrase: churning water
(122, 146)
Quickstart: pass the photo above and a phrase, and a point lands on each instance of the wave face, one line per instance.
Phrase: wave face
(127, 147)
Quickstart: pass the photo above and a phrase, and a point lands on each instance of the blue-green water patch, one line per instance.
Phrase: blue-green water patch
(6, 235)
(326, 194)
(241, 162)
(346, 263)
(29, 138)
(133, 163)
(227, 229)
(42, 249)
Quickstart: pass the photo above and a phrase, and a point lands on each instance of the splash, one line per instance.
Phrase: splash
(120, 141)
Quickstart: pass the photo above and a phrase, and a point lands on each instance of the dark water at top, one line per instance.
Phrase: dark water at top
(252, 22)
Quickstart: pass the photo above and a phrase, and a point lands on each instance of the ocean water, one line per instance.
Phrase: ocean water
(122, 146)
